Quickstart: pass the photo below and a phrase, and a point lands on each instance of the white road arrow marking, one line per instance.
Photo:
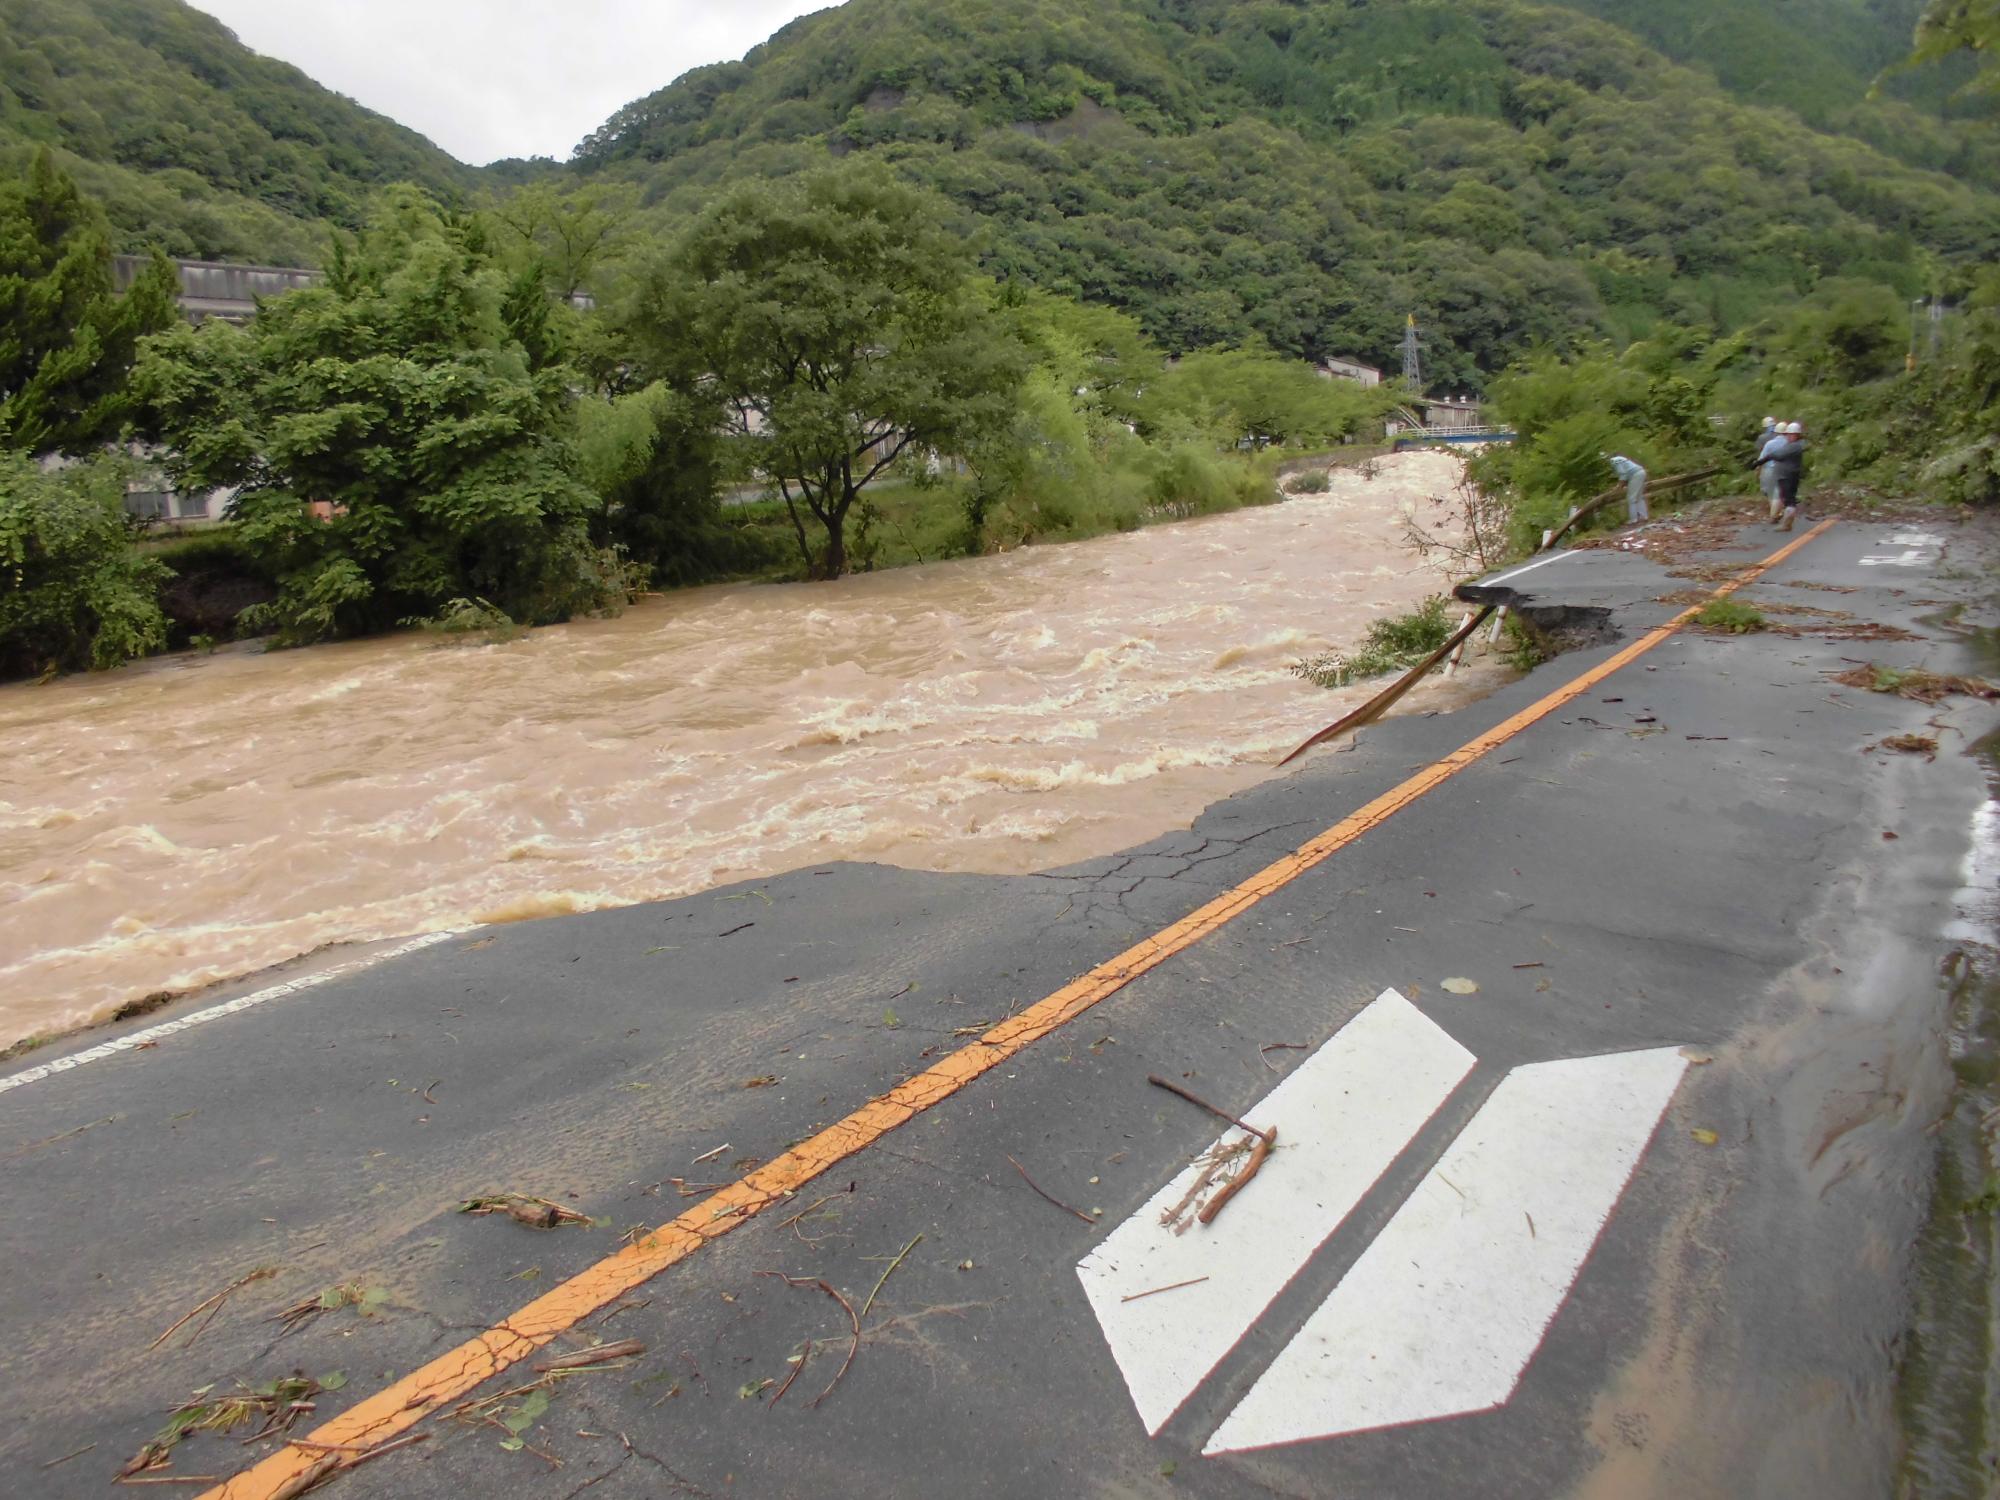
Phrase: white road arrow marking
(1444, 1311)
(1914, 543)
(1343, 1116)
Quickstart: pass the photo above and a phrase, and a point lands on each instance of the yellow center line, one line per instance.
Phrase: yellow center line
(405, 1403)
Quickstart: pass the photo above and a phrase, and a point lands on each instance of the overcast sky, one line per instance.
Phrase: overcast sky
(493, 78)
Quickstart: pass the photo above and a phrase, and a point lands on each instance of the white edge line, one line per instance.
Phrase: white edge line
(216, 1012)
(1524, 568)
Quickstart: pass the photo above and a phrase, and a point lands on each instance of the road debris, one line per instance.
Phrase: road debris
(213, 1305)
(1459, 987)
(1265, 1141)
(61, 1135)
(1915, 683)
(368, 1300)
(847, 1307)
(525, 1208)
(1906, 744)
(276, 1405)
(1704, 1137)
(890, 1272)
(600, 1357)
(1195, 1099)
(1175, 1287)
(798, 1363)
(711, 1155)
(1049, 1196)
(52, 1463)
(1263, 1052)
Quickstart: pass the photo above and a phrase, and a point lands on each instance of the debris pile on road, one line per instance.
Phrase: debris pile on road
(1258, 1149)
(1915, 683)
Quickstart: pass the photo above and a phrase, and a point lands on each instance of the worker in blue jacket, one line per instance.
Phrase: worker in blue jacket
(1767, 477)
(1789, 465)
(1635, 488)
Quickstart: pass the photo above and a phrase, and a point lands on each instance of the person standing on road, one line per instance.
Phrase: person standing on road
(1767, 476)
(1635, 488)
(1787, 460)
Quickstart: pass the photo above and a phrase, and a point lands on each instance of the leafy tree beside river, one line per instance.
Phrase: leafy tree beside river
(836, 322)
(400, 437)
(72, 593)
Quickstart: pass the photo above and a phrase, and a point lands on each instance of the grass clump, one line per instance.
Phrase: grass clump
(1393, 645)
(1524, 650)
(1311, 482)
(1730, 617)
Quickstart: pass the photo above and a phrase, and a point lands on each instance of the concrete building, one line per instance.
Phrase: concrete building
(1347, 369)
(1449, 413)
(220, 289)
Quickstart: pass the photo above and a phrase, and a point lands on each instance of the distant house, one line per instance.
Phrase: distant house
(1347, 369)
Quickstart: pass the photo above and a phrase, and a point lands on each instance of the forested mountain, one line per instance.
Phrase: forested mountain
(190, 140)
(1819, 58)
(1307, 172)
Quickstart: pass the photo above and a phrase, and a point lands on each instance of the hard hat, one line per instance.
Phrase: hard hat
(1793, 429)
(1770, 421)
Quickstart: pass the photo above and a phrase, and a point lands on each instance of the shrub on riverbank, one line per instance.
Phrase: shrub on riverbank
(1393, 645)
(73, 593)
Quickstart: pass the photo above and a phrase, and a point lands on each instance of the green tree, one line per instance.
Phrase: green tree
(1233, 396)
(394, 445)
(1949, 27)
(834, 317)
(67, 340)
(73, 592)
(573, 235)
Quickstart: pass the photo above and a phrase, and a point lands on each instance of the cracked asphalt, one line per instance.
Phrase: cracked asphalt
(1694, 853)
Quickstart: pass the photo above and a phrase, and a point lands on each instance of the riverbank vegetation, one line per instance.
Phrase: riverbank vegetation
(811, 378)
(912, 283)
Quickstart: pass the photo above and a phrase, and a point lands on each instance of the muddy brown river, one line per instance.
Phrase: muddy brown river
(201, 817)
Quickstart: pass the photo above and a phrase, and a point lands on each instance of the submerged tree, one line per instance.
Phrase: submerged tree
(834, 317)
(395, 445)
(67, 340)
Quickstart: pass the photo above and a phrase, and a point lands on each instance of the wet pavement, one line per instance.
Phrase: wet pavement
(1604, 1058)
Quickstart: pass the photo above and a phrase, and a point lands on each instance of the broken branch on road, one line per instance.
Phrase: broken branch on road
(1266, 1141)
(846, 1307)
(524, 1208)
(588, 1359)
(213, 1305)
(888, 1273)
(1221, 1114)
(1050, 1196)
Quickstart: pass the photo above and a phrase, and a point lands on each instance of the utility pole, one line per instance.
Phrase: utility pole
(1412, 367)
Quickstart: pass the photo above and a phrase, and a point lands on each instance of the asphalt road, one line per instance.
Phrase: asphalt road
(1600, 1064)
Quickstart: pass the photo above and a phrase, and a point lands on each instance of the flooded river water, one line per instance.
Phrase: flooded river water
(196, 818)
